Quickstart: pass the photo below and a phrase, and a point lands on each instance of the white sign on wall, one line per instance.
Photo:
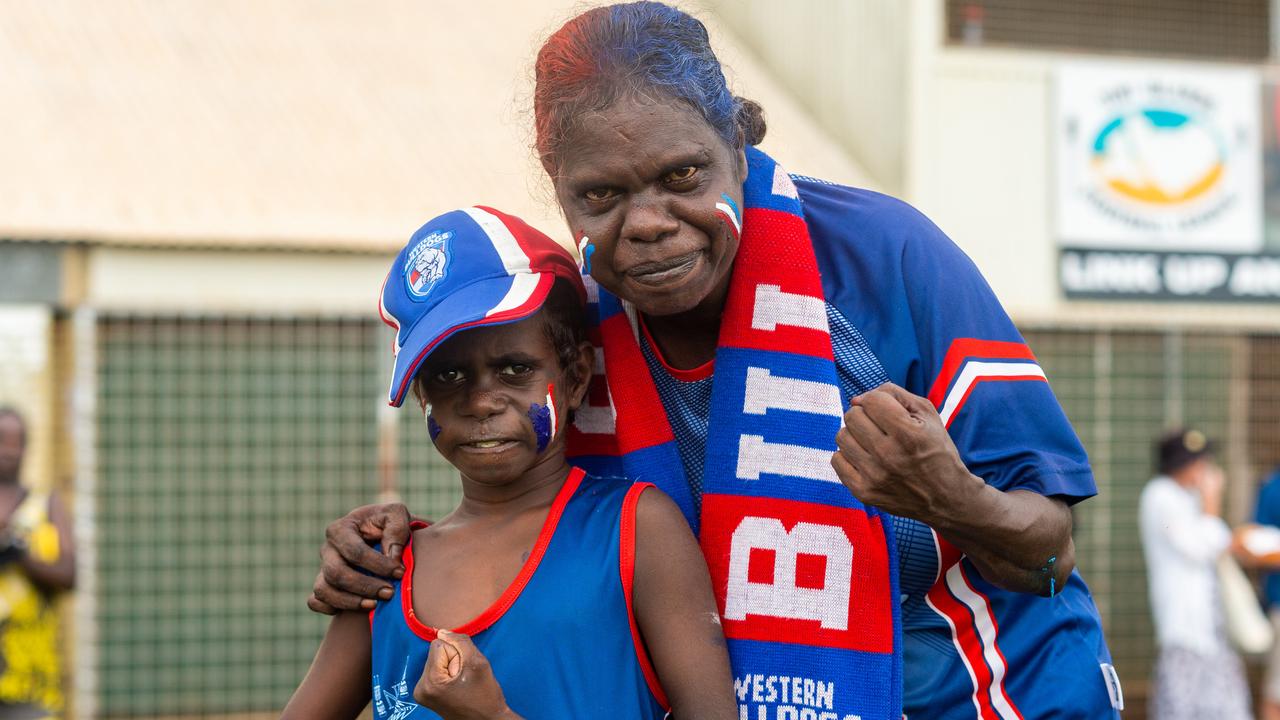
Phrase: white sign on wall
(1160, 157)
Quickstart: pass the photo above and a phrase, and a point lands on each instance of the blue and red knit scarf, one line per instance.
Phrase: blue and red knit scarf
(804, 574)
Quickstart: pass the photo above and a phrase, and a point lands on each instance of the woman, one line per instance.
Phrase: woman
(741, 311)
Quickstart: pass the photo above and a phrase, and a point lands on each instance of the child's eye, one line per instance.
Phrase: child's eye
(516, 369)
(448, 376)
(681, 175)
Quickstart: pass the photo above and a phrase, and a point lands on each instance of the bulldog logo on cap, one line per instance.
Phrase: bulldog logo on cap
(427, 263)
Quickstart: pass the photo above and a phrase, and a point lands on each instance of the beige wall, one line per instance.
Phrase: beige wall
(846, 63)
(215, 281)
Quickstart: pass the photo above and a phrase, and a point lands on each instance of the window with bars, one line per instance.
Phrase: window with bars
(1217, 29)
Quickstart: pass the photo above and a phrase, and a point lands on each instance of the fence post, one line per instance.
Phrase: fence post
(84, 448)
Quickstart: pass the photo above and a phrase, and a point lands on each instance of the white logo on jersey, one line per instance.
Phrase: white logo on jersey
(829, 605)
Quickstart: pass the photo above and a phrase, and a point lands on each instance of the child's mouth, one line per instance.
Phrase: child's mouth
(489, 444)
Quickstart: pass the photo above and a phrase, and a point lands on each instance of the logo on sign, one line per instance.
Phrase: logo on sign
(1158, 156)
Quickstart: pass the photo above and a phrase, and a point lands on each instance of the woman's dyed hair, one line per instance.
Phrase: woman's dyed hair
(637, 48)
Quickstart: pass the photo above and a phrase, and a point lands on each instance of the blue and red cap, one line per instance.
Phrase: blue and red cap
(465, 269)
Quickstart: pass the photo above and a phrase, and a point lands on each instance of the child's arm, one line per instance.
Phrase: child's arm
(676, 612)
(337, 687)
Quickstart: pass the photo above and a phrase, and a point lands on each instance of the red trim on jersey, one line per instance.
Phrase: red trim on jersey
(508, 598)
(948, 554)
(995, 645)
(627, 566)
(404, 558)
(702, 372)
(986, 378)
(963, 349)
(965, 637)
(519, 312)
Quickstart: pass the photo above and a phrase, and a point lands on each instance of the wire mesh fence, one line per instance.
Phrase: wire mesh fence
(224, 445)
(1121, 389)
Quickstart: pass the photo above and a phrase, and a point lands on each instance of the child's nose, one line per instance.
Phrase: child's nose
(482, 402)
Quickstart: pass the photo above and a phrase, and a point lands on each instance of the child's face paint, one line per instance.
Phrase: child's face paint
(491, 416)
(545, 419)
(433, 427)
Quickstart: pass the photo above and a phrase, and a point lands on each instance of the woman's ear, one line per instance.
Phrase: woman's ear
(579, 375)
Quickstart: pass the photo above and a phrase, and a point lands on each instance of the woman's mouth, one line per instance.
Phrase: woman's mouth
(662, 272)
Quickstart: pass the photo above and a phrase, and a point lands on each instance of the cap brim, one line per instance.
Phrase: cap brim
(455, 314)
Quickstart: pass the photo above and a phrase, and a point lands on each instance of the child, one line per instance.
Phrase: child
(571, 596)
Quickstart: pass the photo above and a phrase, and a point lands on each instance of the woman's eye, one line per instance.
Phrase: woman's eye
(598, 194)
(515, 369)
(683, 174)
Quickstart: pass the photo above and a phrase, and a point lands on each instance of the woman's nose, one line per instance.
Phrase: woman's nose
(648, 219)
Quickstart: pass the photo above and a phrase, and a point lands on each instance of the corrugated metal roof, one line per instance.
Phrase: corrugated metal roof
(296, 123)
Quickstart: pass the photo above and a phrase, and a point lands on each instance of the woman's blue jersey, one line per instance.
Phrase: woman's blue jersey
(562, 639)
(905, 305)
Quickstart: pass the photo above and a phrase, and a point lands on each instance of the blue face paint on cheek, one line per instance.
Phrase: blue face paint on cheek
(540, 416)
(433, 428)
(544, 419)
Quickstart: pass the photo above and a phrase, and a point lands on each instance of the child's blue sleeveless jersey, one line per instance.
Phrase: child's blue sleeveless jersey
(561, 640)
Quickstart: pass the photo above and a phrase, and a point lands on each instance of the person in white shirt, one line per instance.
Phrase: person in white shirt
(1197, 674)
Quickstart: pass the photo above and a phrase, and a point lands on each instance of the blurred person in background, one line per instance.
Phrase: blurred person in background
(37, 560)
(1268, 514)
(708, 257)
(1197, 673)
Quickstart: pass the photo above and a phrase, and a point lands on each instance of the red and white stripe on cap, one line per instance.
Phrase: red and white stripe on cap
(514, 258)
